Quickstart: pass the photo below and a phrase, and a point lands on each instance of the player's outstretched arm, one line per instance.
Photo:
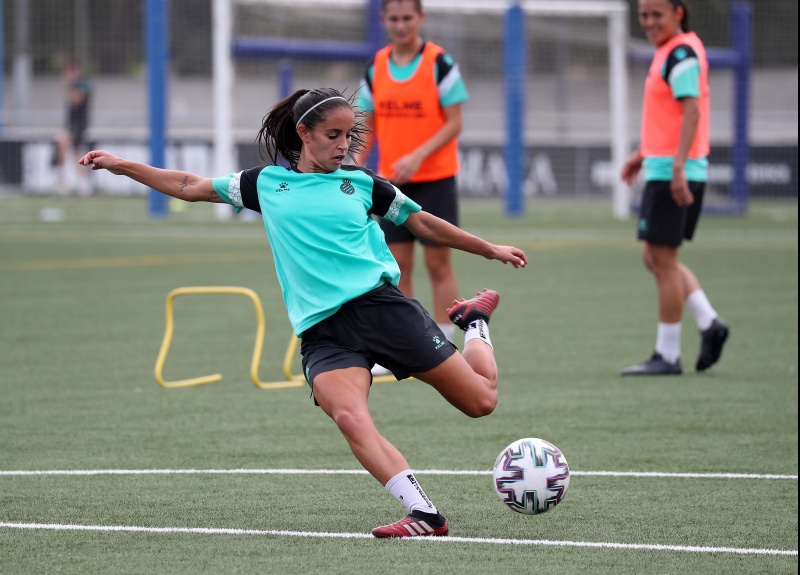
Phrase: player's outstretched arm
(181, 185)
(428, 227)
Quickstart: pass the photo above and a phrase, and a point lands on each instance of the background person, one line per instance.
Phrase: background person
(412, 93)
(674, 154)
(71, 143)
(339, 280)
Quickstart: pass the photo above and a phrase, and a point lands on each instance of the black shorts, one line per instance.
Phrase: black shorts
(661, 220)
(439, 198)
(382, 326)
(77, 129)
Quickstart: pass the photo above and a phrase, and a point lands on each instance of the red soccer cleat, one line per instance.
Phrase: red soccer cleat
(414, 525)
(481, 306)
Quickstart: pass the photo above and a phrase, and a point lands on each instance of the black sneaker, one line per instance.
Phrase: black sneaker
(481, 306)
(656, 365)
(711, 343)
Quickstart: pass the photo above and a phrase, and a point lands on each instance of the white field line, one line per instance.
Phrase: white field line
(316, 534)
(363, 472)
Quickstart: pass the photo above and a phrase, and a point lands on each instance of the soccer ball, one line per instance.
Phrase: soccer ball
(531, 476)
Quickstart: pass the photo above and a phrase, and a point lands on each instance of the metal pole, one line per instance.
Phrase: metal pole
(514, 63)
(223, 87)
(285, 77)
(2, 67)
(620, 141)
(156, 40)
(22, 61)
(373, 25)
(375, 40)
(741, 18)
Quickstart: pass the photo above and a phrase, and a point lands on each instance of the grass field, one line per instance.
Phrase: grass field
(700, 471)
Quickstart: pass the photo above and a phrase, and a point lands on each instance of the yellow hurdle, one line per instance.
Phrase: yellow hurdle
(291, 380)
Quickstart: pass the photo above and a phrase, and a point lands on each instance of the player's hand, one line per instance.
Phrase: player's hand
(102, 160)
(404, 169)
(631, 167)
(510, 255)
(681, 194)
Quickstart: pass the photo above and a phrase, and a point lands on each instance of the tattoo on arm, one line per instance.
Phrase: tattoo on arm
(183, 185)
(214, 197)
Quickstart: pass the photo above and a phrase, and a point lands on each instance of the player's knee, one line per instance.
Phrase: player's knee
(349, 422)
(648, 263)
(663, 267)
(440, 274)
(483, 405)
(647, 259)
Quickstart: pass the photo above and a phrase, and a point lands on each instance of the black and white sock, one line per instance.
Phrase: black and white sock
(406, 490)
(478, 329)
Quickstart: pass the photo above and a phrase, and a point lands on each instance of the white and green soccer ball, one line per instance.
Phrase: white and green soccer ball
(531, 476)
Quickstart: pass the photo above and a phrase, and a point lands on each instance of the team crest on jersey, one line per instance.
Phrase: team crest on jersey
(284, 187)
(347, 187)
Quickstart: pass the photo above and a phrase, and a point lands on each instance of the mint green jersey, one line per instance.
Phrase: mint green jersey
(327, 248)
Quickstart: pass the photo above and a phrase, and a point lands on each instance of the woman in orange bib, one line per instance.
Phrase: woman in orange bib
(673, 152)
(412, 95)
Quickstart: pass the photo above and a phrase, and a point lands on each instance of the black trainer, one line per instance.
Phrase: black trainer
(711, 342)
(656, 365)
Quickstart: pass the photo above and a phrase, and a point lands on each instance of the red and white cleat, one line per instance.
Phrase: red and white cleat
(414, 525)
(481, 306)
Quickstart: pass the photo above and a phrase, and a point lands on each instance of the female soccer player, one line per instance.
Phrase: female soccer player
(412, 93)
(674, 151)
(339, 280)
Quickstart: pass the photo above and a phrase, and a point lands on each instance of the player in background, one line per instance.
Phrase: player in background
(673, 152)
(412, 94)
(71, 142)
(339, 280)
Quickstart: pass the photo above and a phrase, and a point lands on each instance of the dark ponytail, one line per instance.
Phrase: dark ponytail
(278, 135)
(685, 19)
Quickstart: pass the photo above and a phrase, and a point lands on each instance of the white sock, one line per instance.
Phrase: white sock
(701, 309)
(406, 490)
(448, 329)
(668, 341)
(478, 329)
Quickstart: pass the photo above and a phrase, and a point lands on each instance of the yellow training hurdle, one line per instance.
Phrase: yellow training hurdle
(291, 380)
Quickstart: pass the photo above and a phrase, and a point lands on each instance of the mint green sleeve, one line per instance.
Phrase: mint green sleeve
(228, 188)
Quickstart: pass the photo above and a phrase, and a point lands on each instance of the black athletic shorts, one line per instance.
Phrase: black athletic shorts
(382, 326)
(439, 198)
(77, 129)
(661, 220)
